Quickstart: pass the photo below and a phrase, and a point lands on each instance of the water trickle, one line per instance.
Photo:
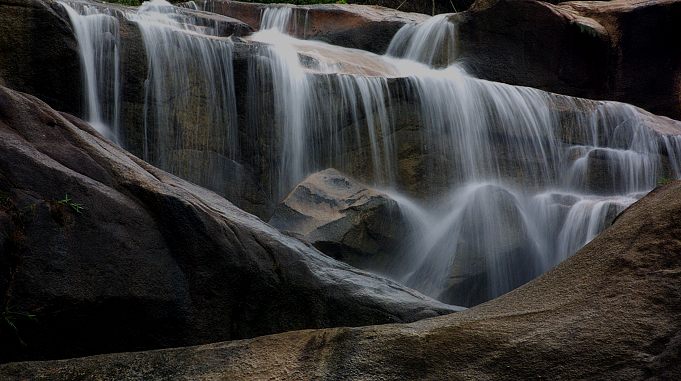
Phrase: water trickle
(276, 18)
(98, 40)
(432, 42)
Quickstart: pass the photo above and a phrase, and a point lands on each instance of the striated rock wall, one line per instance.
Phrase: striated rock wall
(569, 48)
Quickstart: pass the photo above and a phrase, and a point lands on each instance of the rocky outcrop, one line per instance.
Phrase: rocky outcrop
(609, 312)
(618, 50)
(111, 254)
(39, 53)
(344, 219)
(358, 26)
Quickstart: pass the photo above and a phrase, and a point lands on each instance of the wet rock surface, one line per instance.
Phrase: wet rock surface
(102, 252)
(610, 311)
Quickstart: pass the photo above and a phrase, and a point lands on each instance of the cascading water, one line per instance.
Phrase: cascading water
(190, 118)
(432, 42)
(190, 107)
(305, 113)
(525, 194)
(98, 40)
(520, 178)
(290, 88)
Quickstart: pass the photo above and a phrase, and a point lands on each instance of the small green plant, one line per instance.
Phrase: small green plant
(664, 180)
(68, 202)
(587, 29)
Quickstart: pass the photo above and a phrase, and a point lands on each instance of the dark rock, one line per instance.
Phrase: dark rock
(111, 254)
(39, 53)
(344, 219)
(617, 50)
(473, 271)
(609, 312)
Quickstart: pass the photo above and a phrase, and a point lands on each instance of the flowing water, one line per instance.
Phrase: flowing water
(432, 42)
(98, 39)
(189, 107)
(189, 94)
(516, 179)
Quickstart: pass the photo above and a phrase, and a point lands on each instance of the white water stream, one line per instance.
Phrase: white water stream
(97, 34)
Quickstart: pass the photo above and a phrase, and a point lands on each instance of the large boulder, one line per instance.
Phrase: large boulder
(617, 50)
(39, 53)
(111, 254)
(355, 26)
(609, 312)
(344, 219)
(483, 268)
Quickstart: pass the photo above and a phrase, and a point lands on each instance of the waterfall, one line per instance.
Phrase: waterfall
(278, 19)
(190, 117)
(98, 40)
(515, 179)
(190, 107)
(304, 111)
(290, 88)
(498, 137)
(529, 183)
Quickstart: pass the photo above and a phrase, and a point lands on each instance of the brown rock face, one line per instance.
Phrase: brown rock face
(39, 54)
(617, 50)
(111, 254)
(358, 26)
(609, 312)
(344, 219)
